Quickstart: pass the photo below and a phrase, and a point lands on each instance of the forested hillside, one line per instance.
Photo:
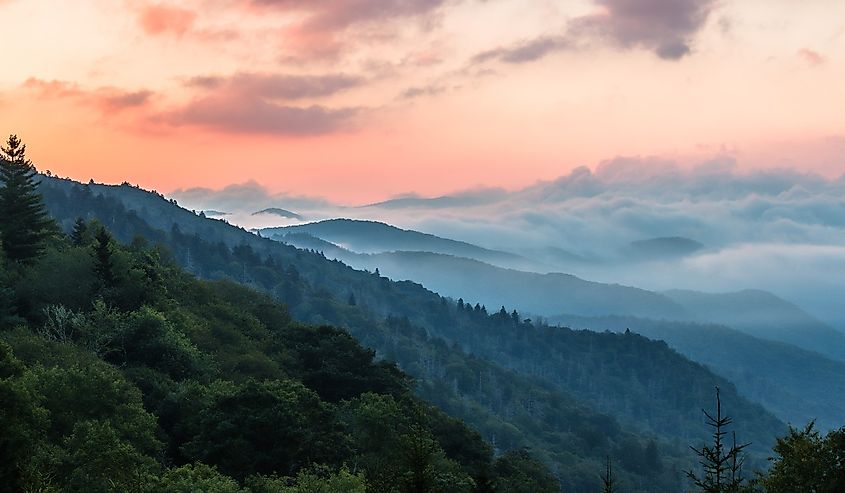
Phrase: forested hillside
(797, 385)
(650, 388)
(120, 371)
(763, 315)
(127, 373)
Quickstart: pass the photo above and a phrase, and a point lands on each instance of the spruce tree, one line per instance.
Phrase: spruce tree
(24, 223)
(104, 264)
(80, 229)
(722, 466)
(607, 479)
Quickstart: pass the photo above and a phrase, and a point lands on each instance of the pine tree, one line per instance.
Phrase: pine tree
(104, 266)
(24, 223)
(607, 479)
(80, 229)
(722, 468)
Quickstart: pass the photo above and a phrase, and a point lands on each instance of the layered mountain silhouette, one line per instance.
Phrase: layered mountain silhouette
(455, 269)
(460, 355)
(376, 237)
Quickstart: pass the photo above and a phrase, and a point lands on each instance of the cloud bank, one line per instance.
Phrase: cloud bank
(779, 230)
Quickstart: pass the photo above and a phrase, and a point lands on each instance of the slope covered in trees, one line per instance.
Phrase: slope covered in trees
(524, 382)
(797, 385)
(463, 273)
(763, 315)
(121, 372)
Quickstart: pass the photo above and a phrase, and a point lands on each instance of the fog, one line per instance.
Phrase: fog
(778, 230)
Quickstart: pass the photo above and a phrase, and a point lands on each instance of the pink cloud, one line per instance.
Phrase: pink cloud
(243, 114)
(161, 19)
(250, 103)
(320, 34)
(277, 86)
(812, 57)
(108, 100)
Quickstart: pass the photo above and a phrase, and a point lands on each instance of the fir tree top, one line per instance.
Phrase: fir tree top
(24, 223)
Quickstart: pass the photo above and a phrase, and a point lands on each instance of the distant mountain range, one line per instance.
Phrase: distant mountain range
(455, 269)
(763, 315)
(520, 383)
(376, 237)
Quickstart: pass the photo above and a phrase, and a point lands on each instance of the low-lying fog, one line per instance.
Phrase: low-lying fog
(715, 228)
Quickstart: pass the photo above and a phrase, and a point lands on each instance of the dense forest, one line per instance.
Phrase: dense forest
(121, 372)
(188, 384)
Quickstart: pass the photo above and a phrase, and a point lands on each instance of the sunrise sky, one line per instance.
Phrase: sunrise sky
(361, 100)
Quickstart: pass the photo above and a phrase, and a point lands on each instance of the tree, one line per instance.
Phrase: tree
(197, 477)
(103, 256)
(607, 479)
(722, 469)
(518, 472)
(80, 230)
(274, 426)
(317, 479)
(24, 223)
(21, 423)
(806, 462)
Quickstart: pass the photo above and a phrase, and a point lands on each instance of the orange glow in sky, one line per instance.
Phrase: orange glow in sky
(360, 101)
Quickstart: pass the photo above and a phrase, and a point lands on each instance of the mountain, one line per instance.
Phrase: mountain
(275, 211)
(540, 294)
(763, 315)
(795, 384)
(376, 237)
(661, 248)
(758, 313)
(772, 373)
(572, 396)
(213, 213)
(121, 372)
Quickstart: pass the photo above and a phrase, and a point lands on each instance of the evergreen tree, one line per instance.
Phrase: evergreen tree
(104, 266)
(722, 469)
(80, 228)
(607, 479)
(24, 224)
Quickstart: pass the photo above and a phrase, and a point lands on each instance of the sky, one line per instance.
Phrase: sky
(358, 101)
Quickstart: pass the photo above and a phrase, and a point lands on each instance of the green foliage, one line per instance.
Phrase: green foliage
(94, 391)
(95, 459)
(396, 449)
(263, 427)
(25, 225)
(147, 379)
(21, 422)
(518, 472)
(192, 478)
(313, 480)
(807, 462)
